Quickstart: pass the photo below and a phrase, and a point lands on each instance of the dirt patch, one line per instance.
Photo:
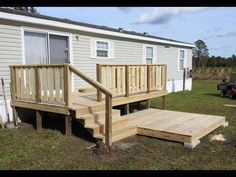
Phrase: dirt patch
(126, 146)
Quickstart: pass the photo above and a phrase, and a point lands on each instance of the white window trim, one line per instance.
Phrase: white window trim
(46, 31)
(178, 58)
(101, 40)
(145, 53)
(108, 50)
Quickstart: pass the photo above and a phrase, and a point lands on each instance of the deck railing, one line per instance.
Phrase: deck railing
(51, 84)
(125, 80)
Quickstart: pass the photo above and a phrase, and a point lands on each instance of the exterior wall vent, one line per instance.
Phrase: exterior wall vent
(121, 29)
(145, 34)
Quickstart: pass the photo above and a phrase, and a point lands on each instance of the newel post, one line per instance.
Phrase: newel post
(99, 79)
(67, 86)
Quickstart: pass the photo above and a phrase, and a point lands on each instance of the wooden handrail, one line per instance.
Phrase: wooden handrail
(92, 82)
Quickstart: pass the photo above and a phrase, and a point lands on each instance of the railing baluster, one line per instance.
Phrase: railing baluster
(99, 77)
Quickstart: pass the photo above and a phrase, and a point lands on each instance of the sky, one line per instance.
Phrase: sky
(216, 26)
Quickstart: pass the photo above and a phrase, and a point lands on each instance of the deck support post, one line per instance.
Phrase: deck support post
(15, 116)
(38, 120)
(148, 103)
(68, 125)
(126, 106)
(164, 102)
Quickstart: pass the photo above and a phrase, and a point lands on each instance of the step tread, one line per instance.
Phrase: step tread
(102, 122)
(88, 116)
(116, 132)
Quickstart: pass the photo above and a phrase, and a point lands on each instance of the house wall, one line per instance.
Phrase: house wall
(126, 51)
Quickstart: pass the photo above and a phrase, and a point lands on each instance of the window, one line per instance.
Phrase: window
(181, 59)
(102, 49)
(44, 48)
(149, 55)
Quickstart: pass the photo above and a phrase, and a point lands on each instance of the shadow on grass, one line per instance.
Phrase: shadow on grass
(213, 94)
(56, 122)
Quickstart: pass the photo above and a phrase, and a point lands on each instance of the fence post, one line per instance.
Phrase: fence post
(67, 86)
(37, 84)
(127, 81)
(99, 79)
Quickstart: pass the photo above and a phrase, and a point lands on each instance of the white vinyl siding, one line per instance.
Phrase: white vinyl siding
(10, 52)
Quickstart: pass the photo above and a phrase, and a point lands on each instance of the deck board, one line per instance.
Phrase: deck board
(174, 125)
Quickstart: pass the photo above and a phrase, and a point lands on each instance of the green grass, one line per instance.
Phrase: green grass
(25, 148)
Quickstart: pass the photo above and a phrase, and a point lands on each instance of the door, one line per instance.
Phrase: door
(59, 49)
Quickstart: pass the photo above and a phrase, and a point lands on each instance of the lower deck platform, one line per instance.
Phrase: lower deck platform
(184, 127)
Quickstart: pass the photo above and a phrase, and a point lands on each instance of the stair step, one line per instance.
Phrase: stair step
(89, 110)
(97, 116)
(117, 123)
(119, 134)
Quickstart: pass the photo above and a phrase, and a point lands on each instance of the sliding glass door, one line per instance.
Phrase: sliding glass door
(44, 48)
(36, 48)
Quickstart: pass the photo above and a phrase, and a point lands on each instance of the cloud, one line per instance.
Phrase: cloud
(162, 15)
(125, 9)
(217, 33)
(220, 47)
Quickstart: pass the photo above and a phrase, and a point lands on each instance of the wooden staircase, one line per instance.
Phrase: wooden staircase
(93, 119)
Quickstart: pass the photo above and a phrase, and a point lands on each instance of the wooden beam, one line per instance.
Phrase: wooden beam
(68, 125)
(127, 81)
(41, 107)
(230, 105)
(99, 79)
(164, 102)
(108, 121)
(137, 97)
(38, 120)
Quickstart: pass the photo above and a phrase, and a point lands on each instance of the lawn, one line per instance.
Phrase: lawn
(25, 148)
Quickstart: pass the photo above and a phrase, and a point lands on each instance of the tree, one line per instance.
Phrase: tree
(200, 52)
(26, 9)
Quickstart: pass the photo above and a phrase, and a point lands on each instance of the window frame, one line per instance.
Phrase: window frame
(184, 59)
(146, 46)
(96, 48)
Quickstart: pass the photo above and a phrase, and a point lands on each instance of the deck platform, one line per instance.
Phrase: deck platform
(184, 127)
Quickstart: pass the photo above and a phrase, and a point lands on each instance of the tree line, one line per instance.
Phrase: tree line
(201, 57)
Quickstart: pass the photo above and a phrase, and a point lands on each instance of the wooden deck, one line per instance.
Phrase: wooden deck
(184, 127)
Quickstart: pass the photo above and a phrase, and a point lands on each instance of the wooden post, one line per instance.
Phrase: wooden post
(68, 125)
(165, 77)
(99, 79)
(15, 116)
(13, 83)
(127, 81)
(38, 120)
(148, 79)
(164, 102)
(108, 121)
(37, 85)
(148, 103)
(67, 86)
(126, 106)
(184, 79)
